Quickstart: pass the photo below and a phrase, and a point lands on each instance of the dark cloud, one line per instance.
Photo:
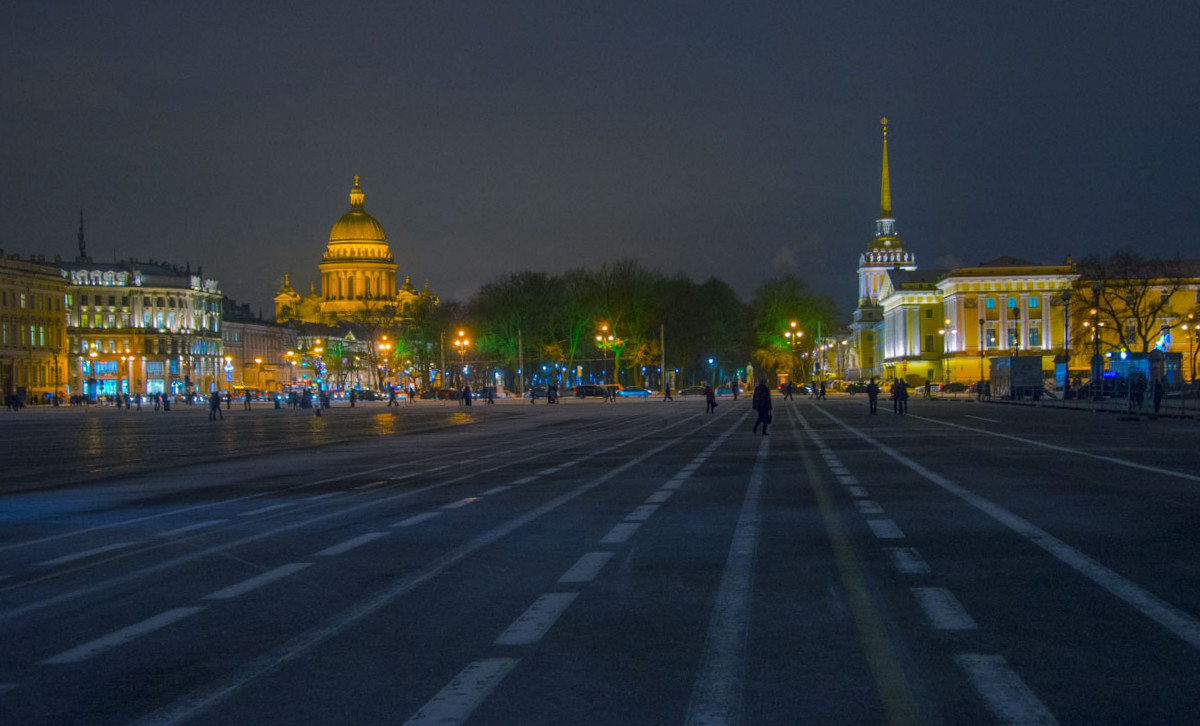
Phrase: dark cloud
(732, 139)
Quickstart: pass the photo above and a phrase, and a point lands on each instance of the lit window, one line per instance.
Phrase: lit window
(1035, 337)
(991, 303)
(1012, 303)
(1033, 302)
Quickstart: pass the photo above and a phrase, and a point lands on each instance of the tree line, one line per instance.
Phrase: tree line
(606, 324)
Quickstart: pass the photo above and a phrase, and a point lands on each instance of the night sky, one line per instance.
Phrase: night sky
(735, 139)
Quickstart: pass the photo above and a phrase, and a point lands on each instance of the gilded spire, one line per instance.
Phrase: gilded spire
(356, 195)
(885, 189)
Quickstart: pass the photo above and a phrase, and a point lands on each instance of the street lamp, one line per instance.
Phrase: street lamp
(945, 352)
(1190, 327)
(384, 348)
(605, 341)
(712, 364)
(793, 335)
(460, 344)
(982, 323)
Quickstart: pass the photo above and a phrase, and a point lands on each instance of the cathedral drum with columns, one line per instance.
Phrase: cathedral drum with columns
(357, 271)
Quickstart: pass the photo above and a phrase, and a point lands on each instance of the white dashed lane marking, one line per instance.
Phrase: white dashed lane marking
(866, 506)
(191, 527)
(586, 568)
(885, 529)
(496, 490)
(271, 508)
(943, 610)
(122, 636)
(257, 581)
(460, 503)
(417, 519)
(659, 497)
(350, 544)
(641, 513)
(620, 533)
(907, 560)
(537, 620)
(453, 704)
(1006, 695)
(86, 553)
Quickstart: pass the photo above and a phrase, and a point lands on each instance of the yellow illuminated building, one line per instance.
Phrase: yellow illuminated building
(358, 271)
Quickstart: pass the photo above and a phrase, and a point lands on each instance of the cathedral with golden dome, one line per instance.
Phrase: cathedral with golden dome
(358, 272)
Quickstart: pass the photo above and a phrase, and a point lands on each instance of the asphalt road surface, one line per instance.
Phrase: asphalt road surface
(637, 562)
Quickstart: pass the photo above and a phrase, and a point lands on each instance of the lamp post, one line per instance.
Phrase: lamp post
(982, 323)
(942, 332)
(460, 344)
(1190, 327)
(605, 341)
(712, 365)
(384, 348)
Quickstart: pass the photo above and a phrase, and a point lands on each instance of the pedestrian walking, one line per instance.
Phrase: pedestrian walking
(928, 388)
(466, 395)
(214, 407)
(733, 388)
(228, 400)
(1157, 391)
(667, 392)
(246, 401)
(761, 402)
(710, 399)
(491, 395)
(873, 396)
(821, 395)
(411, 395)
(901, 397)
(392, 397)
(812, 390)
(166, 399)
(353, 397)
(787, 391)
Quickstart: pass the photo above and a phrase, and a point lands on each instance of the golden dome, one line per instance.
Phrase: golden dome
(356, 225)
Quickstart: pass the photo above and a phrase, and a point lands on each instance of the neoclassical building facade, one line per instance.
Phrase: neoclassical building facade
(357, 270)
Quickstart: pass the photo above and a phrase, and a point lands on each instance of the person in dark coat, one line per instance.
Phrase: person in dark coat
(710, 399)
(733, 388)
(1158, 390)
(901, 397)
(667, 392)
(214, 406)
(353, 397)
(821, 394)
(787, 391)
(466, 395)
(761, 402)
(873, 396)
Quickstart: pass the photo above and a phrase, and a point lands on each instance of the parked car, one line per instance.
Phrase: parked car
(856, 387)
(589, 390)
(954, 387)
(633, 391)
(537, 392)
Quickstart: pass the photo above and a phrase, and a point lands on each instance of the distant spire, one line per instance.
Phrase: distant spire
(885, 189)
(356, 195)
(82, 244)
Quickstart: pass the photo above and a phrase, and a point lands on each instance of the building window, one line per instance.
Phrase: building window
(23, 301)
(1012, 303)
(1035, 337)
(1014, 336)
(990, 337)
(928, 343)
(1033, 303)
(929, 313)
(990, 303)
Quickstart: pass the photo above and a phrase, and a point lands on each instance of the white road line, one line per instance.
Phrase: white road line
(857, 491)
(319, 497)
(119, 637)
(417, 519)
(840, 471)
(460, 503)
(454, 703)
(496, 490)
(673, 484)
(586, 568)
(907, 560)
(191, 527)
(847, 479)
(943, 610)
(271, 508)
(1006, 695)
(257, 581)
(350, 544)
(1183, 625)
(620, 533)
(1056, 447)
(206, 696)
(982, 418)
(368, 485)
(641, 513)
(659, 497)
(537, 620)
(717, 692)
(86, 553)
(6, 687)
(524, 480)
(885, 529)
(866, 506)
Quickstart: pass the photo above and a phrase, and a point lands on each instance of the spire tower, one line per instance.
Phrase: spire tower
(82, 244)
(885, 188)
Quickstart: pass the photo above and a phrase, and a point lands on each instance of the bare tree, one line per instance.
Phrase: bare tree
(1130, 300)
